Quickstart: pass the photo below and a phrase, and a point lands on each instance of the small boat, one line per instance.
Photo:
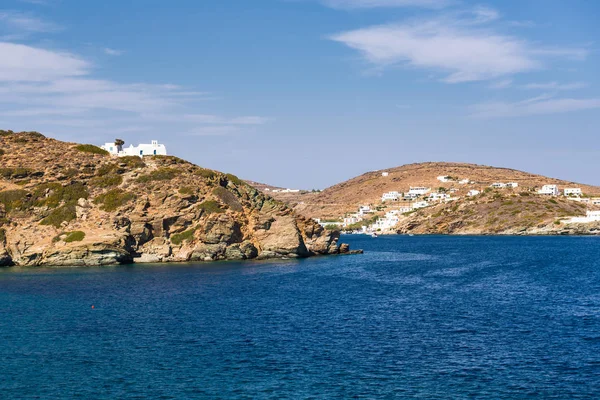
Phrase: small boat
(374, 234)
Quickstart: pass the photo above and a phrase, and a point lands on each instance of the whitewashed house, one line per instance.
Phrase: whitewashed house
(352, 219)
(591, 216)
(464, 181)
(385, 174)
(389, 221)
(419, 190)
(550, 190)
(390, 196)
(596, 201)
(473, 192)
(438, 197)
(143, 149)
(362, 210)
(512, 185)
(404, 209)
(444, 178)
(572, 192)
(420, 204)
(498, 185)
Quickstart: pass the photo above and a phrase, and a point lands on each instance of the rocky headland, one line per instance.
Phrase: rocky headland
(67, 204)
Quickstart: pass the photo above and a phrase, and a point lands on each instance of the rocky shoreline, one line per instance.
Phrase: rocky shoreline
(78, 206)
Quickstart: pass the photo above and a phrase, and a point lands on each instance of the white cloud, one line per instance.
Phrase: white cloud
(14, 21)
(41, 88)
(113, 52)
(19, 62)
(357, 4)
(535, 106)
(460, 45)
(556, 86)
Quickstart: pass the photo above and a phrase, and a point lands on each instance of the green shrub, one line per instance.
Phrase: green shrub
(524, 194)
(205, 173)
(553, 201)
(186, 190)
(228, 198)
(53, 194)
(2, 236)
(211, 206)
(15, 173)
(59, 215)
(113, 199)
(161, 174)
(14, 199)
(179, 238)
(108, 180)
(90, 148)
(2, 152)
(132, 161)
(234, 179)
(5, 133)
(75, 236)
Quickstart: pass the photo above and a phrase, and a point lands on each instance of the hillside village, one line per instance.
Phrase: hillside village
(395, 206)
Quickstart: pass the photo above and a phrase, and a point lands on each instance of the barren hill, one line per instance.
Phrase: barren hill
(368, 188)
(69, 204)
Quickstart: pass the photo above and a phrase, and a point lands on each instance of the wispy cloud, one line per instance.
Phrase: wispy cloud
(540, 105)
(55, 88)
(113, 52)
(358, 4)
(463, 45)
(19, 24)
(556, 86)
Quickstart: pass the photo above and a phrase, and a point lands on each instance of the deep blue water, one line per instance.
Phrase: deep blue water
(425, 317)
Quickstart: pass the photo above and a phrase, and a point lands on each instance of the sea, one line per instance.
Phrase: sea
(430, 317)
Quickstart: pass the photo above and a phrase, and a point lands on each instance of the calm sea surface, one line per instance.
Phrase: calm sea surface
(426, 317)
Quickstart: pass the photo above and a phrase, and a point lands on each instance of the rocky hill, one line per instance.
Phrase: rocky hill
(500, 212)
(367, 188)
(71, 204)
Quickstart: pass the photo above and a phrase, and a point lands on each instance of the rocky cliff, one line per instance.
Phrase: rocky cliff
(69, 204)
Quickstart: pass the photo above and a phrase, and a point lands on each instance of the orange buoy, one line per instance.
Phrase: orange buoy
(92, 306)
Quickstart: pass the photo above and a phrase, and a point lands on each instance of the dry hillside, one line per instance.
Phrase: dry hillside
(368, 188)
(69, 204)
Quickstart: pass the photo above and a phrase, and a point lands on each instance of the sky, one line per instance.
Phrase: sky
(308, 93)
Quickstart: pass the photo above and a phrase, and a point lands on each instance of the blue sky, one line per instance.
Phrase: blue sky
(307, 93)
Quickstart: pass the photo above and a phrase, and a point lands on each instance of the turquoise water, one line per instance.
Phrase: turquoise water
(425, 317)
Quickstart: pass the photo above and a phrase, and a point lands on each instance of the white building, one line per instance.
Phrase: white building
(473, 192)
(385, 174)
(404, 209)
(418, 191)
(464, 181)
(152, 149)
(438, 197)
(498, 185)
(573, 192)
(420, 204)
(512, 185)
(352, 219)
(596, 201)
(389, 221)
(551, 190)
(390, 196)
(444, 178)
(591, 216)
(362, 210)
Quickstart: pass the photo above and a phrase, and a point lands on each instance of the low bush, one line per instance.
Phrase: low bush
(234, 179)
(1, 152)
(15, 173)
(161, 174)
(2, 235)
(59, 215)
(90, 148)
(210, 207)
(75, 236)
(113, 199)
(205, 173)
(132, 161)
(179, 238)
(106, 181)
(53, 194)
(14, 199)
(186, 190)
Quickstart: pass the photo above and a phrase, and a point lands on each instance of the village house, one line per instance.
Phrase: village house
(404, 209)
(390, 196)
(473, 192)
(420, 204)
(444, 179)
(352, 219)
(550, 190)
(595, 201)
(362, 210)
(438, 197)
(572, 192)
(385, 174)
(143, 149)
(418, 191)
(464, 181)
(389, 221)
(591, 216)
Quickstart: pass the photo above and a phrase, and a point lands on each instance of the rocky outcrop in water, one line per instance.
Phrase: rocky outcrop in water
(75, 205)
